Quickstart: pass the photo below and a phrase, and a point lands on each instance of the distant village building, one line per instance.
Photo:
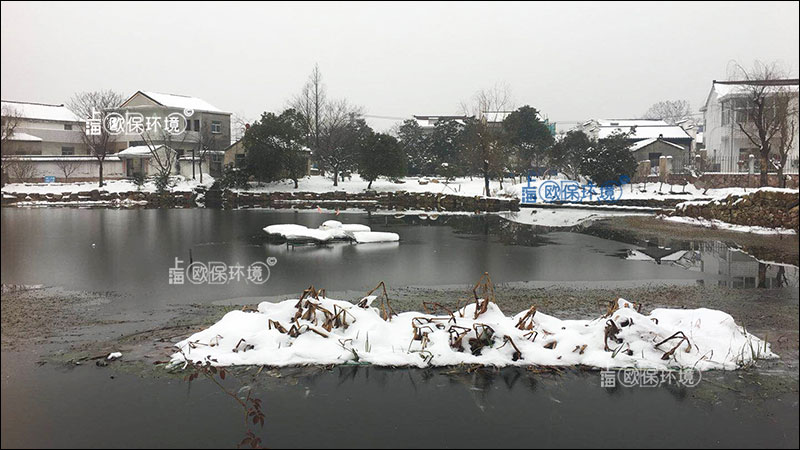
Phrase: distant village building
(236, 154)
(654, 148)
(727, 149)
(650, 139)
(42, 129)
(428, 123)
(45, 142)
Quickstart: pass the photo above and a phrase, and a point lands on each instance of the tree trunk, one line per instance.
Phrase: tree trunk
(486, 178)
(369, 185)
(101, 172)
(764, 168)
(336, 177)
(296, 185)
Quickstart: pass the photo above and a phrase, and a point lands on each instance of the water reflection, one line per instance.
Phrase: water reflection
(734, 268)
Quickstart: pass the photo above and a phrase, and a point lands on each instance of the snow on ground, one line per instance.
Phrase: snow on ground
(321, 331)
(718, 224)
(461, 186)
(329, 231)
(474, 187)
(560, 217)
(111, 186)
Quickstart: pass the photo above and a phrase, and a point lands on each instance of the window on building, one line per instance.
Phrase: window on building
(68, 126)
(196, 125)
(216, 127)
(239, 159)
(67, 151)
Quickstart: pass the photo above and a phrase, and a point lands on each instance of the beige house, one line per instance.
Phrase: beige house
(654, 148)
(196, 130)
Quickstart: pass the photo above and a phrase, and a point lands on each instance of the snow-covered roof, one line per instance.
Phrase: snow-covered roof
(644, 128)
(431, 121)
(137, 151)
(495, 116)
(725, 89)
(644, 143)
(24, 137)
(178, 101)
(39, 111)
(646, 132)
(629, 122)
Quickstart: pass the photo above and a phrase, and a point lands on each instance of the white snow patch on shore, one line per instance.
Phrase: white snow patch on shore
(560, 217)
(718, 224)
(179, 184)
(307, 335)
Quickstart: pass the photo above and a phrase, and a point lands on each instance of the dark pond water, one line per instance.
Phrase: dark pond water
(132, 251)
(371, 407)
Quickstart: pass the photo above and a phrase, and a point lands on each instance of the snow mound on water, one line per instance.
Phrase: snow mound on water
(325, 331)
(331, 230)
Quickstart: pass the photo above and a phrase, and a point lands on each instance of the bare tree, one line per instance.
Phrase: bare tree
(495, 99)
(163, 157)
(769, 107)
(206, 143)
(21, 170)
(670, 111)
(312, 103)
(10, 118)
(68, 167)
(484, 143)
(94, 106)
(786, 108)
(334, 153)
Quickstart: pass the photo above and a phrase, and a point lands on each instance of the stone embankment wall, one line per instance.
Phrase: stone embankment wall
(300, 200)
(763, 208)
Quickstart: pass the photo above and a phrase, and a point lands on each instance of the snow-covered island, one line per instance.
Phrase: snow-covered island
(316, 330)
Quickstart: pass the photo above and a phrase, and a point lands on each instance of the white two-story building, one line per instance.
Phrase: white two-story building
(727, 147)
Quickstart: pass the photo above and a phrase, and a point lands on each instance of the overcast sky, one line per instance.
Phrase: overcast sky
(572, 61)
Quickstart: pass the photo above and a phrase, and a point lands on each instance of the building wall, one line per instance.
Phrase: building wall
(726, 145)
(680, 157)
(86, 169)
(185, 141)
(53, 137)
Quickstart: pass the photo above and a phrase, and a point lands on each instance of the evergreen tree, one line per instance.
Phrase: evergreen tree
(382, 155)
(529, 137)
(567, 153)
(445, 152)
(609, 160)
(416, 146)
(272, 147)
